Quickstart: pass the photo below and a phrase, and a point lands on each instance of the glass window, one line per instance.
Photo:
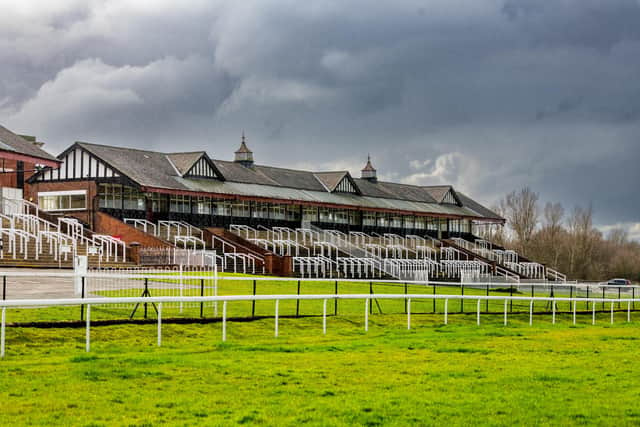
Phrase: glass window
(241, 209)
(382, 219)
(310, 213)
(221, 207)
(277, 212)
(369, 219)
(133, 199)
(110, 196)
(260, 210)
(202, 206)
(409, 222)
(62, 201)
(354, 217)
(326, 215)
(293, 213)
(158, 202)
(420, 223)
(180, 203)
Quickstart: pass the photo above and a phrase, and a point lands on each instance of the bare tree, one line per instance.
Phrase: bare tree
(521, 211)
(583, 237)
(618, 236)
(551, 234)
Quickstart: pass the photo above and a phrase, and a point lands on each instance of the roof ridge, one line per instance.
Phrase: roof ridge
(186, 152)
(117, 147)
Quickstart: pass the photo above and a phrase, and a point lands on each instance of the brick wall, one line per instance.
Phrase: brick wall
(10, 179)
(31, 193)
(106, 224)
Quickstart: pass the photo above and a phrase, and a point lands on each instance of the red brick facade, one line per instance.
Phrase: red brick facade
(31, 193)
(106, 224)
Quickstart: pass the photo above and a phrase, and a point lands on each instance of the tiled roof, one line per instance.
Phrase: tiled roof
(153, 169)
(9, 141)
(184, 161)
(330, 180)
(438, 191)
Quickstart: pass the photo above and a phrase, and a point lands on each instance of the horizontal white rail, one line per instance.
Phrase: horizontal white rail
(88, 302)
(54, 302)
(130, 275)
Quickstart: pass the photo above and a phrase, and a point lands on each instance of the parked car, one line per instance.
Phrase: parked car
(619, 282)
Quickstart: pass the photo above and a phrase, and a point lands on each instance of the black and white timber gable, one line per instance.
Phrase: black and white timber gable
(451, 198)
(77, 164)
(203, 168)
(346, 185)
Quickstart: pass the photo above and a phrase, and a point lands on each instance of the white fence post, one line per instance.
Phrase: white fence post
(88, 331)
(446, 314)
(553, 312)
(276, 331)
(215, 286)
(574, 311)
(159, 324)
(2, 331)
(628, 311)
(612, 304)
(224, 321)
(505, 312)
(409, 313)
(593, 315)
(366, 314)
(531, 313)
(181, 287)
(478, 313)
(324, 316)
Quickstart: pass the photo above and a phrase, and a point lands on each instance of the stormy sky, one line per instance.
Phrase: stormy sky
(486, 95)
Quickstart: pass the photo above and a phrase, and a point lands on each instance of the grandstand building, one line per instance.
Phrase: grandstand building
(206, 192)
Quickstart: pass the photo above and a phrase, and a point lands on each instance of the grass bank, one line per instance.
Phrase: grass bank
(458, 374)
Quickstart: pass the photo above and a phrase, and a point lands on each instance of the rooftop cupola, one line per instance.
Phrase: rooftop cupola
(244, 156)
(369, 172)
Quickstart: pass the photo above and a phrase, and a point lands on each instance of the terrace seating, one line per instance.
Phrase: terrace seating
(28, 240)
(508, 260)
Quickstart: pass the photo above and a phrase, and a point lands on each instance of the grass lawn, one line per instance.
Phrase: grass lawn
(459, 374)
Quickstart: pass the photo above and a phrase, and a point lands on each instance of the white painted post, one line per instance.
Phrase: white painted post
(215, 286)
(181, 288)
(159, 324)
(224, 321)
(612, 313)
(366, 314)
(2, 331)
(277, 305)
(531, 313)
(478, 313)
(593, 315)
(628, 311)
(505, 312)
(88, 332)
(409, 313)
(446, 314)
(553, 312)
(574, 311)
(324, 317)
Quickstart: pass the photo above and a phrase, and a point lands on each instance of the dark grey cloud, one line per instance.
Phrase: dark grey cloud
(487, 95)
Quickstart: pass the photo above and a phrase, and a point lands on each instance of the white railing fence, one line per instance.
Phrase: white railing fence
(159, 301)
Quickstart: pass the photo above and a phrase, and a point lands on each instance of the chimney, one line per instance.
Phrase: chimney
(369, 172)
(244, 156)
(32, 139)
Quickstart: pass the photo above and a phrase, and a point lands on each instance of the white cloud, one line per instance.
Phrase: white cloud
(449, 168)
(633, 228)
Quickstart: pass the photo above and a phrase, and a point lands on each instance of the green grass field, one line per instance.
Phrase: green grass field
(459, 374)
